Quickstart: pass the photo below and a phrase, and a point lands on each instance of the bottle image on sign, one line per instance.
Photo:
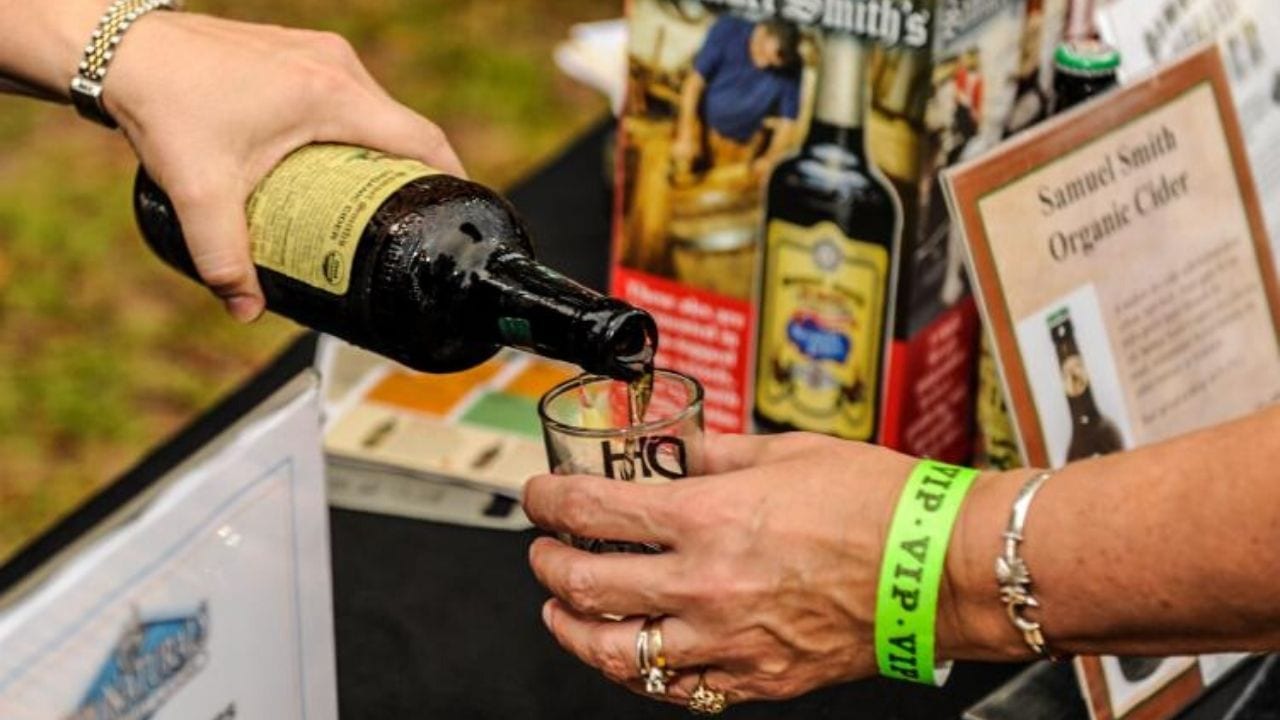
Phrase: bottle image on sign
(832, 226)
(430, 270)
(1092, 433)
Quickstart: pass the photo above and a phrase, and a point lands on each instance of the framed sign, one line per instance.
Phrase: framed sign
(1121, 262)
(1122, 267)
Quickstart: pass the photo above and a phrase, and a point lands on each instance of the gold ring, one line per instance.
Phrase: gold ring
(657, 659)
(704, 700)
(650, 661)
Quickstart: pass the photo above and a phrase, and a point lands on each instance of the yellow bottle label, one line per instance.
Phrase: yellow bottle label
(307, 215)
(997, 445)
(821, 332)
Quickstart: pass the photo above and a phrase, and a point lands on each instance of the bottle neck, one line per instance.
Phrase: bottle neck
(905, 88)
(534, 308)
(850, 139)
(842, 94)
(1084, 411)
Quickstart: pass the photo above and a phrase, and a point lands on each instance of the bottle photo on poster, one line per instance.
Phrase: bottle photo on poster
(1072, 373)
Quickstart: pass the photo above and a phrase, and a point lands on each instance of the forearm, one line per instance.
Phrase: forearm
(781, 139)
(9, 86)
(690, 99)
(1165, 550)
(43, 43)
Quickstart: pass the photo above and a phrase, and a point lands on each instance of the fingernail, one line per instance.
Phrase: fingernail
(546, 613)
(244, 308)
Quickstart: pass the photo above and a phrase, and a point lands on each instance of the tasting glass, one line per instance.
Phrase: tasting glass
(587, 428)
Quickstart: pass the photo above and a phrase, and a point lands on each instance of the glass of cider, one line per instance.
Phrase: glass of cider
(599, 426)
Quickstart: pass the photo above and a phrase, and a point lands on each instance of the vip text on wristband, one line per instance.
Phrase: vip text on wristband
(911, 573)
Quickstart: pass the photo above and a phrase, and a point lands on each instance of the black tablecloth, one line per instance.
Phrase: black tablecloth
(437, 621)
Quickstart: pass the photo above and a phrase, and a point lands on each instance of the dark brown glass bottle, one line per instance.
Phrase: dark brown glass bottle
(429, 270)
(832, 228)
(1092, 433)
(1083, 69)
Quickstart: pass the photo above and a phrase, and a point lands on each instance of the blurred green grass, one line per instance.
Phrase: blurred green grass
(103, 351)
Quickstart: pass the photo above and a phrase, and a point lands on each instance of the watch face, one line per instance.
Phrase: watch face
(86, 96)
(1075, 379)
(84, 86)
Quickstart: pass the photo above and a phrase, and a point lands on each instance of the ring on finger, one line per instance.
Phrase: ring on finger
(704, 700)
(650, 660)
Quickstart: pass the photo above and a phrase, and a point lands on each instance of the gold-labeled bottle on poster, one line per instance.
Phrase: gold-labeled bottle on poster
(832, 230)
(995, 443)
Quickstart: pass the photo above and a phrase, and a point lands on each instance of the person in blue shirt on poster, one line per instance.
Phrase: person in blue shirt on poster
(743, 93)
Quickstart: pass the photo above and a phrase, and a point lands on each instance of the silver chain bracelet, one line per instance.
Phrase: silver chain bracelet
(1012, 574)
(86, 86)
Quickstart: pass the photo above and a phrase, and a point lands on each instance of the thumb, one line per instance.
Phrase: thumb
(217, 236)
(381, 123)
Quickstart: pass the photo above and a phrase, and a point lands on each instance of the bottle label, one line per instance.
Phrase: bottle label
(996, 446)
(821, 340)
(306, 217)
(1075, 379)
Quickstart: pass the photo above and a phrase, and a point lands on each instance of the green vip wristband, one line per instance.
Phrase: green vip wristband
(914, 557)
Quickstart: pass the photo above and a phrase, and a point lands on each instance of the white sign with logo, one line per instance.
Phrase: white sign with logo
(211, 601)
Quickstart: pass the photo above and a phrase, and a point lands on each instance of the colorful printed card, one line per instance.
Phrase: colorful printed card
(479, 427)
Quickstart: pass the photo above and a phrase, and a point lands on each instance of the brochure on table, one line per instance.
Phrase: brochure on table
(1121, 261)
(454, 448)
(1152, 32)
(477, 428)
(210, 598)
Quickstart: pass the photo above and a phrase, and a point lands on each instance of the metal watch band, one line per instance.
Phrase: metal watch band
(86, 86)
(1012, 573)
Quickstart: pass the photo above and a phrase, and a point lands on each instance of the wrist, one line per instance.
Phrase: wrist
(972, 622)
(132, 79)
(912, 570)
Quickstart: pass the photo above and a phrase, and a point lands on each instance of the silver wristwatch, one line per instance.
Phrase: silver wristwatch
(86, 86)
